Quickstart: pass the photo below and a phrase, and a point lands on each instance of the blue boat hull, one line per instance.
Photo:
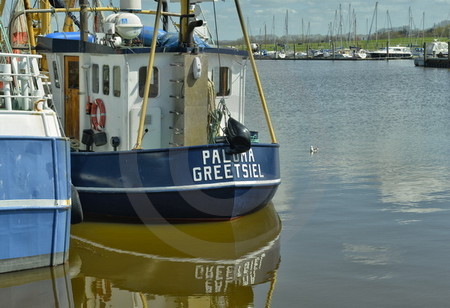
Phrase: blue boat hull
(176, 184)
(34, 202)
(33, 238)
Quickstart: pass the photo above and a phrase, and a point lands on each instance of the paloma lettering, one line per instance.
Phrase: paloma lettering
(217, 165)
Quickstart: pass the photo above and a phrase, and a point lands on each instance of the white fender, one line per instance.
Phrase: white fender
(197, 68)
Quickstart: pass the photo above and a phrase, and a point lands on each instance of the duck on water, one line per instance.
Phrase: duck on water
(165, 143)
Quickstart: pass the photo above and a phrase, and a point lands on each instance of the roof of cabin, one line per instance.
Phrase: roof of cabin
(56, 45)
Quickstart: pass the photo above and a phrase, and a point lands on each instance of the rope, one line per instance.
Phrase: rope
(221, 112)
(75, 144)
(214, 115)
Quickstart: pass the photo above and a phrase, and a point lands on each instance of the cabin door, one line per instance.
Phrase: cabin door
(71, 93)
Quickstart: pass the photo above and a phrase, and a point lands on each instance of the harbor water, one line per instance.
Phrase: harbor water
(366, 218)
(363, 222)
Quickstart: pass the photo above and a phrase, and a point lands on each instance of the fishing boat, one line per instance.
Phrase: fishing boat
(395, 52)
(35, 190)
(227, 262)
(166, 143)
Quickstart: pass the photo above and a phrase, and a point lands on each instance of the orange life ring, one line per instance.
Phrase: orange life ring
(95, 122)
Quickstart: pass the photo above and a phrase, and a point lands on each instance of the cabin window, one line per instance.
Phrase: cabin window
(153, 83)
(56, 75)
(95, 78)
(106, 79)
(223, 78)
(116, 81)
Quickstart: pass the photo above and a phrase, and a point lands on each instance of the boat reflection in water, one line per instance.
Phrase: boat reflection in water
(39, 288)
(183, 265)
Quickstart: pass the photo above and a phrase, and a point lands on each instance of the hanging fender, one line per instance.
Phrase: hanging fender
(96, 123)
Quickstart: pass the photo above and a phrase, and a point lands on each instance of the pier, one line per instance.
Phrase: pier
(435, 62)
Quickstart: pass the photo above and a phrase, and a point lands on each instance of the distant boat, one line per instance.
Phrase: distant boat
(398, 52)
(35, 190)
(437, 49)
(417, 52)
(301, 54)
(166, 143)
(358, 53)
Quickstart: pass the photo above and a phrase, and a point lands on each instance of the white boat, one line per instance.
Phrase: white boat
(301, 54)
(398, 52)
(358, 53)
(159, 144)
(437, 49)
(35, 189)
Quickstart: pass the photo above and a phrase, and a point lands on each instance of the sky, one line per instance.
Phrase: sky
(268, 16)
(312, 16)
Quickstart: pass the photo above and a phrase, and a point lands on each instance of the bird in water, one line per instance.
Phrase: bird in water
(313, 149)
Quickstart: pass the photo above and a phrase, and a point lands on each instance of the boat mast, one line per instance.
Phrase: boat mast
(184, 22)
(2, 7)
(151, 62)
(83, 21)
(255, 72)
(44, 18)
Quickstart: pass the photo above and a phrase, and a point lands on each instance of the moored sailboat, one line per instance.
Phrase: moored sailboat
(165, 143)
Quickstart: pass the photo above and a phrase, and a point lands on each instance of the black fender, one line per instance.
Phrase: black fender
(238, 136)
(76, 213)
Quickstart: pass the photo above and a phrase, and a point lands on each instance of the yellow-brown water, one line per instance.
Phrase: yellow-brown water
(195, 265)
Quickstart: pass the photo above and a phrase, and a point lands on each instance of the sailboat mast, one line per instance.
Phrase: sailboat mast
(423, 28)
(376, 22)
(389, 26)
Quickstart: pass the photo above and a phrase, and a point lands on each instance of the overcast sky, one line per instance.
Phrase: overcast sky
(318, 14)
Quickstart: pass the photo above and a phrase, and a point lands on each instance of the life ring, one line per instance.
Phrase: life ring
(95, 122)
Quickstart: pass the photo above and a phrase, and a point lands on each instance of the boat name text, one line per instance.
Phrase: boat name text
(217, 165)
